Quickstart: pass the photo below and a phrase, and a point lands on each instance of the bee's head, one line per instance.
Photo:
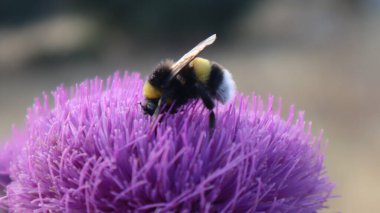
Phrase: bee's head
(149, 106)
(155, 86)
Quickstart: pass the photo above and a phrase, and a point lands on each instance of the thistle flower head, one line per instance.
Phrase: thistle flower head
(95, 151)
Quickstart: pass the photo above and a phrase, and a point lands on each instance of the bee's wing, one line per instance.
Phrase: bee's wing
(189, 56)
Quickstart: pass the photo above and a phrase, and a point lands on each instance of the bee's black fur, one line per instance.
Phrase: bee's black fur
(215, 79)
(161, 75)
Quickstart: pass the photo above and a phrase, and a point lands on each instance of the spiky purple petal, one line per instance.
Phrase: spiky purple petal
(96, 151)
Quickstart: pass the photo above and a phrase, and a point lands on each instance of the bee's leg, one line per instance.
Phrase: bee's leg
(207, 101)
(162, 101)
(212, 119)
(157, 111)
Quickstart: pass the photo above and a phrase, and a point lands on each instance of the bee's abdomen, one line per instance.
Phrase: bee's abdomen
(221, 83)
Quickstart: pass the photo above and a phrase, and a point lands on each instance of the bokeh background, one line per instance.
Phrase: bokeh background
(322, 55)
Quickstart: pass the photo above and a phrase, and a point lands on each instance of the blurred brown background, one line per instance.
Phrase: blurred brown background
(322, 55)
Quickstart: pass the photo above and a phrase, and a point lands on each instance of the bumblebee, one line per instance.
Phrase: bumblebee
(172, 84)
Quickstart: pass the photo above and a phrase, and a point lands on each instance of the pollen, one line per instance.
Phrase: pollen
(150, 92)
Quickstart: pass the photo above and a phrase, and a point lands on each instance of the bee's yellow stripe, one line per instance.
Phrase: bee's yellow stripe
(202, 68)
(150, 91)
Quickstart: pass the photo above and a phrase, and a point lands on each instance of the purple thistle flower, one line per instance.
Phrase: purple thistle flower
(95, 151)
